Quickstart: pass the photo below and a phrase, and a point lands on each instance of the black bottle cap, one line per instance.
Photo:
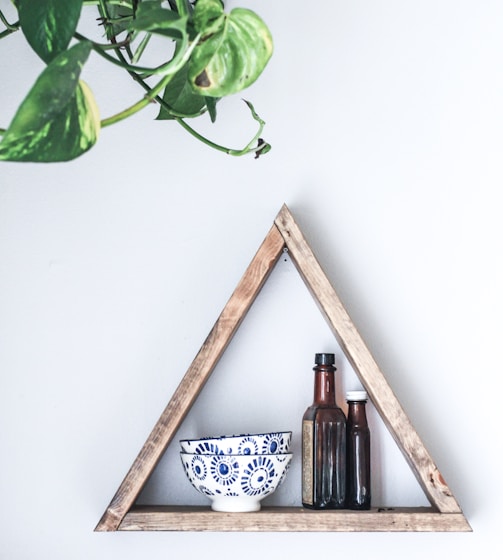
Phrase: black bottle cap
(324, 359)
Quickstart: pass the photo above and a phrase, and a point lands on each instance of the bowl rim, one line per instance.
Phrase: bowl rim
(286, 454)
(234, 436)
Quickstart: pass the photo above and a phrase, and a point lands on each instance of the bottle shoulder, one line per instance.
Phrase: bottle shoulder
(360, 420)
(357, 417)
(324, 413)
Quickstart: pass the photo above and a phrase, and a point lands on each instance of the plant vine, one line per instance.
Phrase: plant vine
(214, 54)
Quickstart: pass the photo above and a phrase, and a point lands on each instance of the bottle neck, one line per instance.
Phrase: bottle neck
(324, 385)
(356, 413)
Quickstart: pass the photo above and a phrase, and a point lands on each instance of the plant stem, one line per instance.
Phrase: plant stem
(10, 27)
(177, 62)
(122, 63)
(182, 8)
(247, 149)
(250, 147)
(130, 110)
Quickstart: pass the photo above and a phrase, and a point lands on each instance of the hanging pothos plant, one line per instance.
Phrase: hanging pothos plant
(212, 54)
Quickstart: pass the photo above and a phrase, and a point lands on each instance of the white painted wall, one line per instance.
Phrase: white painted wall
(386, 122)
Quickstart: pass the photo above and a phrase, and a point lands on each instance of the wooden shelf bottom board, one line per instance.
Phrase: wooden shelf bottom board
(276, 519)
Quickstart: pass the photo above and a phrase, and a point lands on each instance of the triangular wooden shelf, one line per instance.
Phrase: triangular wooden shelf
(443, 515)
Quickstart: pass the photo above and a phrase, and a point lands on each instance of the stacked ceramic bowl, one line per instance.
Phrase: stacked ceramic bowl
(236, 472)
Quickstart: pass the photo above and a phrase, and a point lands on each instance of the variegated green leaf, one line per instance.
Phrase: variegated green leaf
(49, 25)
(233, 55)
(209, 17)
(58, 120)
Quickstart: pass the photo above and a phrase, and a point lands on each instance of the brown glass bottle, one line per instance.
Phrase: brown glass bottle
(358, 452)
(324, 442)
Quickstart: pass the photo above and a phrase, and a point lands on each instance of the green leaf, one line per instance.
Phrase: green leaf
(180, 96)
(153, 17)
(211, 103)
(49, 25)
(231, 58)
(58, 120)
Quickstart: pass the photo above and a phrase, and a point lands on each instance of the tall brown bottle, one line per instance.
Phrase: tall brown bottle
(358, 452)
(324, 442)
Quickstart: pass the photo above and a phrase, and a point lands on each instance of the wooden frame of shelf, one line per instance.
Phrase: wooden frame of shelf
(444, 514)
(282, 519)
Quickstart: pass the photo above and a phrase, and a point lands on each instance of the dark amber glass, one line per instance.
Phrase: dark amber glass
(358, 453)
(324, 442)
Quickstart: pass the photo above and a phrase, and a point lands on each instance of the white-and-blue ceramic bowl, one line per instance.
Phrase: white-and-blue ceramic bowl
(236, 483)
(244, 444)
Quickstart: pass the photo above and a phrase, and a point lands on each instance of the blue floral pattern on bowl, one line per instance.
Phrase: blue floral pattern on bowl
(236, 482)
(206, 447)
(258, 476)
(224, 469)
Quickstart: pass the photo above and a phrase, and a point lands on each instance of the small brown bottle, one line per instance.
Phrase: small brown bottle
(358, 452)
(324, 442)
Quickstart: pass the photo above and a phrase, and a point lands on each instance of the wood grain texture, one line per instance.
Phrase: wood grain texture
(193, 381)
(280, 519)
(365, 367)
